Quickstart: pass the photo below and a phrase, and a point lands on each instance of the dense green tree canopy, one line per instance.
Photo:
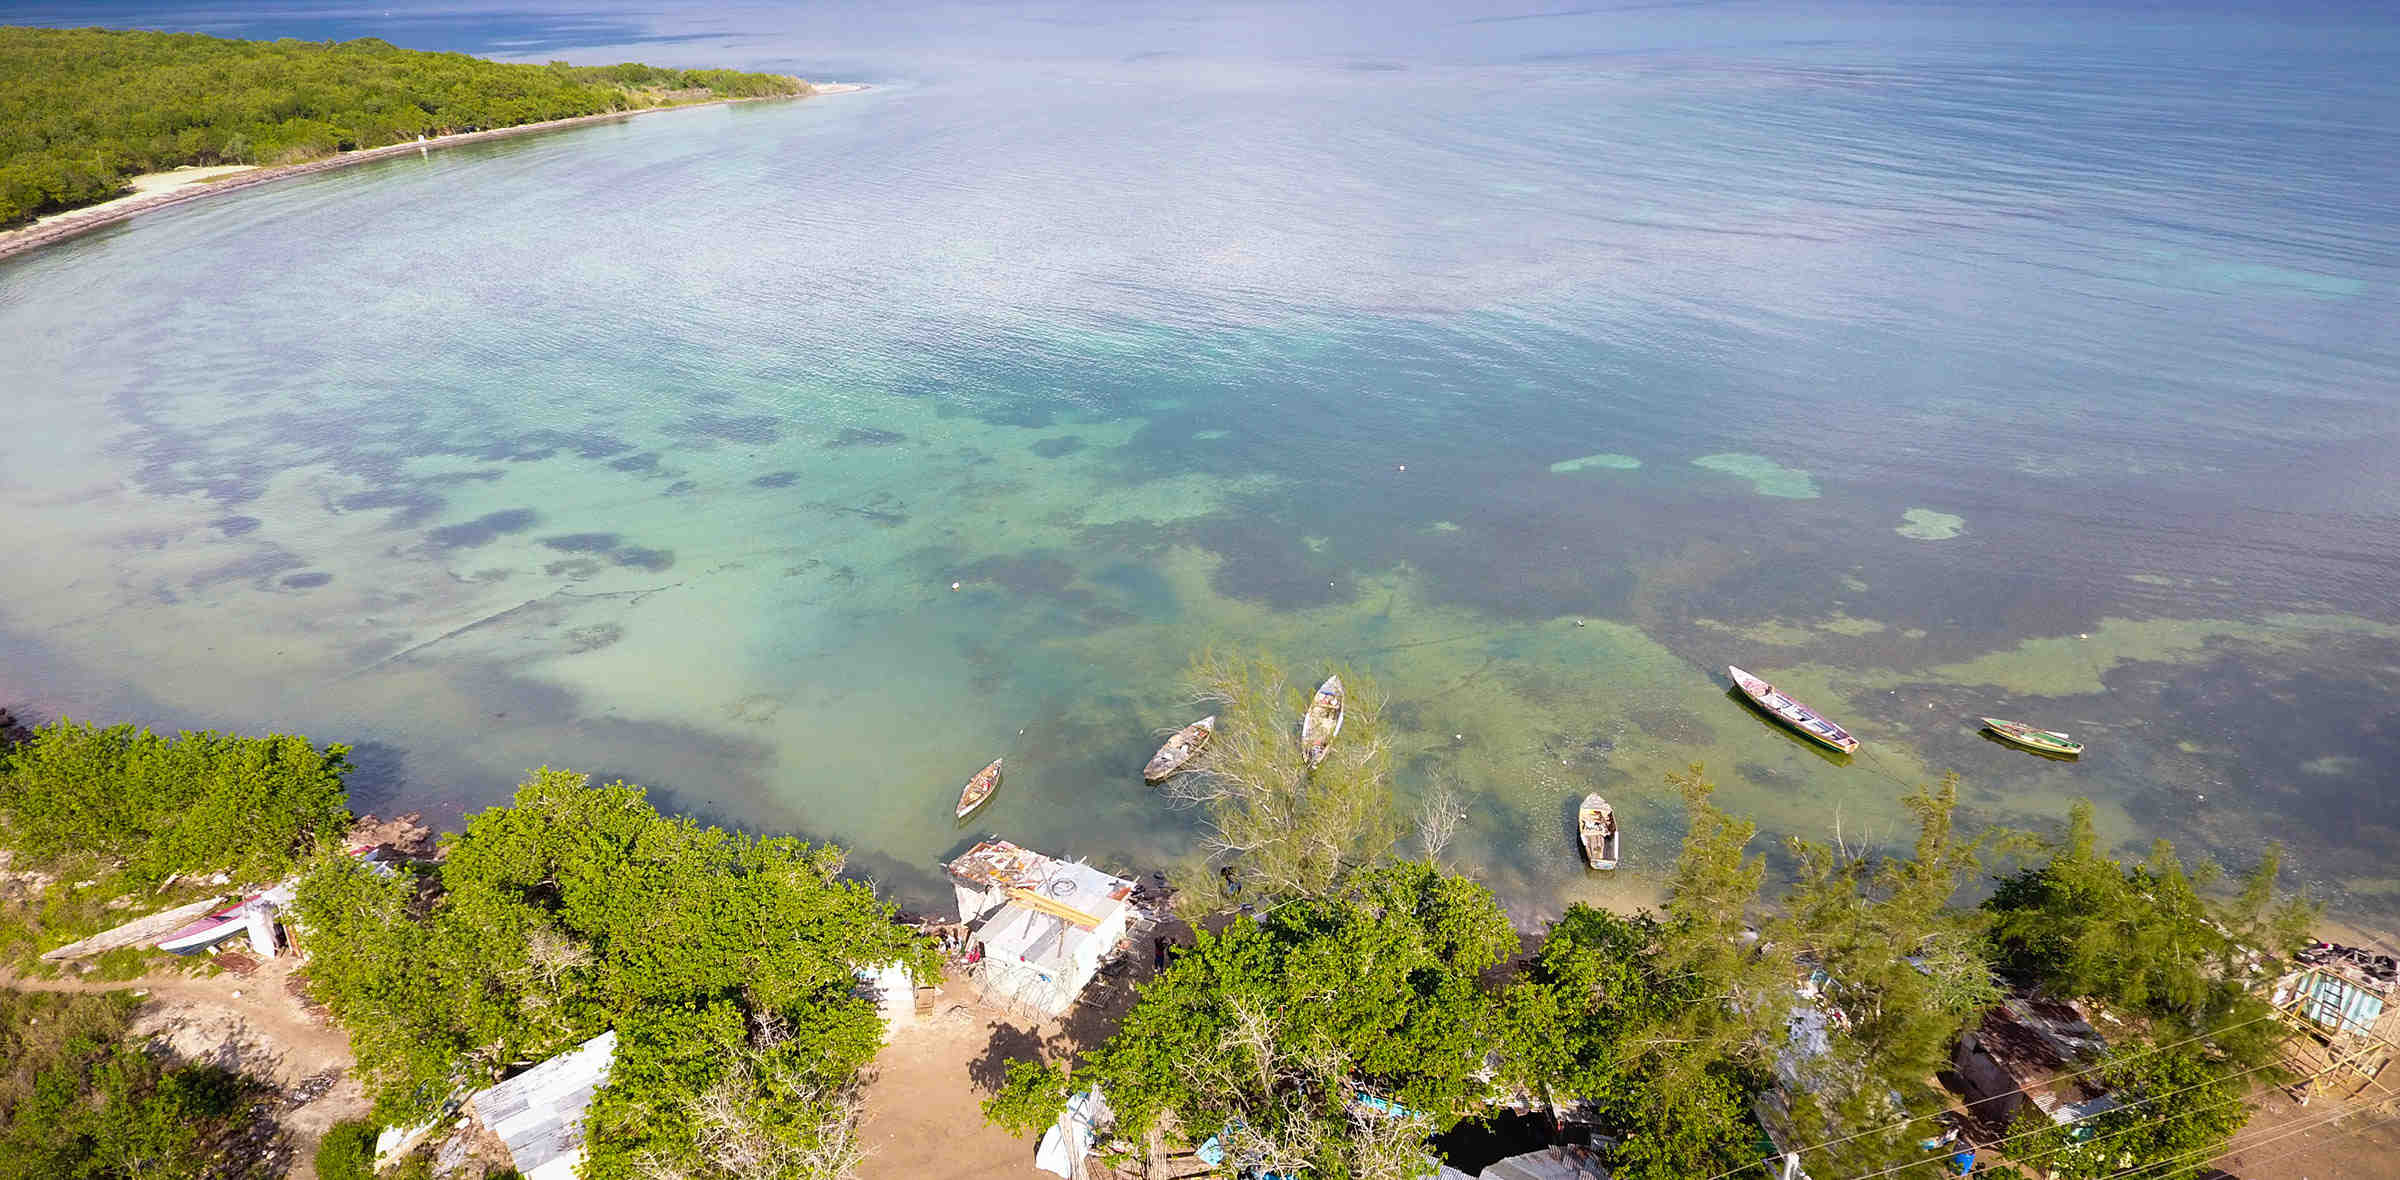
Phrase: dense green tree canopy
(724, 961)
(1269, 1029)
(82, 109)
(1665, 1023)
(2146, 937)
(82, 798)
(1899, 974)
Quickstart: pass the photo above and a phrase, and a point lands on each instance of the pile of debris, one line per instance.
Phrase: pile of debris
(2359, 961)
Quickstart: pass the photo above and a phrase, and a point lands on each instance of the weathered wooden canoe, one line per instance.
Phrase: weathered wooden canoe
(1810, 723)
(2040, 741)
(1596, 825)
(1322, 721)
(979, 788)
(1188, 741)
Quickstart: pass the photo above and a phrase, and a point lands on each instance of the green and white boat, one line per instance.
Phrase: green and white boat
(2040, 741)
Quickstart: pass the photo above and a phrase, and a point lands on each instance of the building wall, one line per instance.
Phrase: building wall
(1992, 1094)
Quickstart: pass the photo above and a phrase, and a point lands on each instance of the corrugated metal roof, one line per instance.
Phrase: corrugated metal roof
(1550, 1163)
(539, 1113)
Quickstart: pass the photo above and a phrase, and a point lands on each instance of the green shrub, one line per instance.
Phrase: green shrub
(125, 962)
(347, 1152)
(1030, 1100)
(80, 799)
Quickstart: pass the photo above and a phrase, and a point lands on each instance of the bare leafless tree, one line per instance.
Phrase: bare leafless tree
(1287, 829)
(552, 953)
(1437, 820)
(739, 1141)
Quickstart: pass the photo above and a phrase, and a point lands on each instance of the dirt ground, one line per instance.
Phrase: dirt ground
(2287, 1141)
(922, 1117)
(254, 1025)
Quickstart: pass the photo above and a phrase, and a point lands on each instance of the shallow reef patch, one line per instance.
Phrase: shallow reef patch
(1925, 524)
(1767, 477)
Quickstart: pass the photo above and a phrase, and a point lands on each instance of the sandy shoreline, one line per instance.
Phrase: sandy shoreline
(62, 226)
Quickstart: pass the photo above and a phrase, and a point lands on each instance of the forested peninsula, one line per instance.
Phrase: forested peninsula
(83, 110)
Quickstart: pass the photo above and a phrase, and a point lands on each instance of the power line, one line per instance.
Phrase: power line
(2241, 1097)
(2360, 1129)
(2217, 1152)
(2096, 1066)
(2096, 1114)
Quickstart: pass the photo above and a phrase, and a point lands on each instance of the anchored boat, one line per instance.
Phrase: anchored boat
(1810, 723)
(1596, 825)
(979, 788)
(1180, 749)
(2040, 741)
(1322, 721)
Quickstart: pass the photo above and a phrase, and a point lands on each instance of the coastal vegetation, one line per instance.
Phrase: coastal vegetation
(725, 962)
(1342, 1009)
(347, 1152)
(2147, 938)
(1362, 1003)
(92, 818)
(81, 110)
(80, 1097)
(1282, 829)
(83, 799)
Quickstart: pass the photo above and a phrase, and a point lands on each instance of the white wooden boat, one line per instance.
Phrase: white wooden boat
(1596, 826)
(1322, 721)
(1808, 722)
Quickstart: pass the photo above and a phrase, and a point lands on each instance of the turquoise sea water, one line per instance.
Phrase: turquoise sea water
(1931, 362)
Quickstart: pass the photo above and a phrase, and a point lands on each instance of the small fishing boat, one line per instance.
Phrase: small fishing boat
(2040, 741)
(1596, 825)
(979, 788)
(1810, 723)
(1322, 721)
(1188, 741)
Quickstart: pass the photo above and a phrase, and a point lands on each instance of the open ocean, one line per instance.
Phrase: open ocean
(1932, 361)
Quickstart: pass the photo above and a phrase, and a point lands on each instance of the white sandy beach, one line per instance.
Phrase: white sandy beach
(151, 184)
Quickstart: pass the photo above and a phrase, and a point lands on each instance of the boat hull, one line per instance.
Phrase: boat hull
(1793, 715)
(1596, 829)
(1322, 722)
(1179, 750)
(979, 789)
(2026, 737)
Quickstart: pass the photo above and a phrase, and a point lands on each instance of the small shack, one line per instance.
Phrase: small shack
(2030, 1050)
(2342, 1000)
(539, 1113)
(1038, 928)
